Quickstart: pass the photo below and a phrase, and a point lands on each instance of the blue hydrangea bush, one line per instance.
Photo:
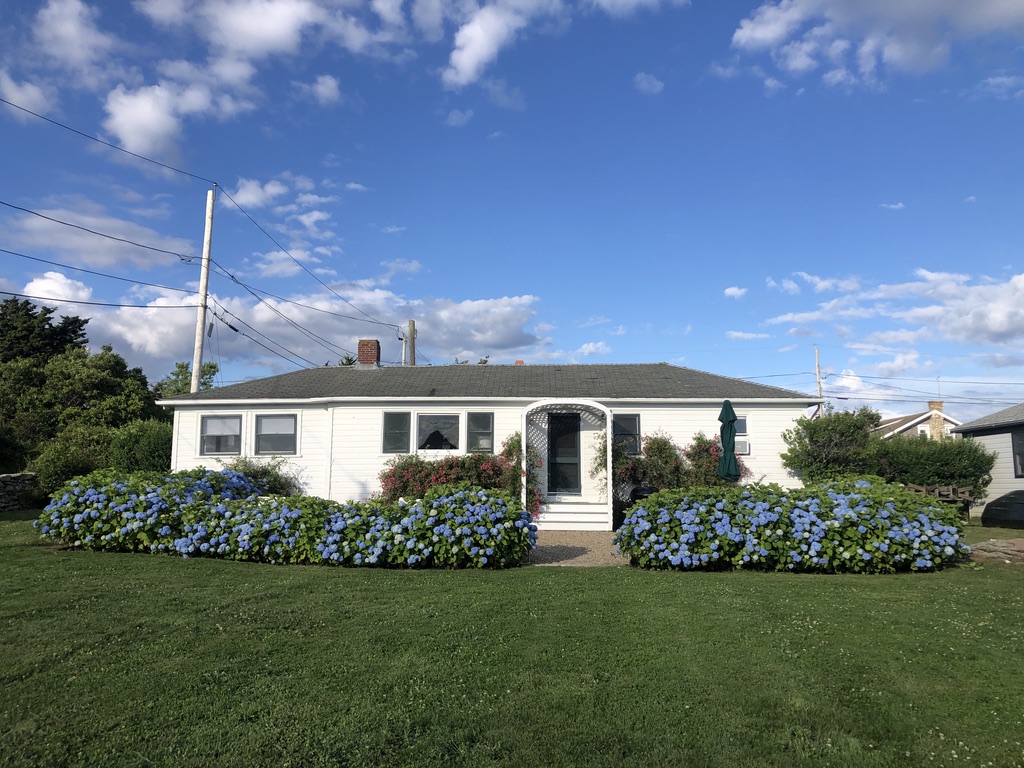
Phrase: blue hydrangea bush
(851, 526)
(226, 515)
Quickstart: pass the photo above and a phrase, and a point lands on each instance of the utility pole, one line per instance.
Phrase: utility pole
(412, 342)
(204, 283)
(817, 377)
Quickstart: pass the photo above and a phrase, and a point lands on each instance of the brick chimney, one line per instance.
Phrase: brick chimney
(936, 424)
(520, 362)
(368, 355)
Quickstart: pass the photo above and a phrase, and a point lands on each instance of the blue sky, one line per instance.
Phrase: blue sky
(726, 186)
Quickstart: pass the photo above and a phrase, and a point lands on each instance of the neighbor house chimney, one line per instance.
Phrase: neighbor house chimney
(368, 353)
(936, 424)
(520, 362)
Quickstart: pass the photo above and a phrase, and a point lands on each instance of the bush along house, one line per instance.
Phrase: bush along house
(337, 427)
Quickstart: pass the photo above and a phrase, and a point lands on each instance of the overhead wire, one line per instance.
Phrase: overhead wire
(94, 272)
(106, 143)
(181, 256)
(200, 178)
(99, 303)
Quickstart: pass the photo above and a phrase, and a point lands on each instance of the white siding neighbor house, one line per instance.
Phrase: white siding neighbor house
(1002, 432)
(934, 424)
(338, 427)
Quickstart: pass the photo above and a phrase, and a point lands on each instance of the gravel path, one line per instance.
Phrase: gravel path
(576, 548)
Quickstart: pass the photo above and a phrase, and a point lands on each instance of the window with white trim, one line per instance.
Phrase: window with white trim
(1017, 448)
(276, 434)
(396, 432)
(220, 436)
(437, 432)
(742, 439)
(479, 432)
(626, 433)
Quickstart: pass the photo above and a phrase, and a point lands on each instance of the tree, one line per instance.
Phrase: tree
(179, 381)
(834, 444)
(28, 332)
(348, 361)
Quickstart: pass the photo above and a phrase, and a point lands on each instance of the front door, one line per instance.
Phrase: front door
(564, 454)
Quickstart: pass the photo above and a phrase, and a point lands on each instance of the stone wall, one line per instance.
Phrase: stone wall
(12, 488)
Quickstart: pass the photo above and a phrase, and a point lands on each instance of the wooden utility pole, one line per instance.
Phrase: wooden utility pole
(412, 342)
(204, 284)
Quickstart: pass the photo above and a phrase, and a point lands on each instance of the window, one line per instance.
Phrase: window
(437, 432)
(480, 432)
(1017, 440)
(564, 454)
(220, 435)
(396, 432)
(275, 434)
(626, 433)
(742, 442)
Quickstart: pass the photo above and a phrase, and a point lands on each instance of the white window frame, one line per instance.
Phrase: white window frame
(204, 418)
(742, 436)
(257, 434)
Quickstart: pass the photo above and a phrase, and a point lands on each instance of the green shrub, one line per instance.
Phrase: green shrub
(142, 446)
(829, 445)
(272, 475)
(13, 456)
(918, 460)
(410, 476)
(77, 450)
(855, 526)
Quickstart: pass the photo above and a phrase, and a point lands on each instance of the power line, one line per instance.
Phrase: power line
(332, 348)
(300, 264)
(201, 178)
(106, 143)
(240, 321)
(93, 272)
(180, 256)
(99, 303)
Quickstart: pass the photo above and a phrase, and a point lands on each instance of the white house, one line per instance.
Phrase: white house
(1002, 432)
(339, 426)
(934, 424)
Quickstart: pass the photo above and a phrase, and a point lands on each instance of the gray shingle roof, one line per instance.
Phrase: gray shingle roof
(623, 381)
(1005, 418)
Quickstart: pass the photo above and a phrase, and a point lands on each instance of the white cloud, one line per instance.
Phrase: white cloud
(856, 41)
(283, 264)
(503, 95)
(67, 32)
(970, 199)
(734, 292)
(37, 98)
(325, 90)
(593, 320)
(252, 29)
(647, 84)
(893, 206)
(81, 247)
(746, 336)
(54, 285)
(355, 187)
(479, 40)
(593, 348)
(165, 12)
(458, 118)
(821, 284)
(392, 229)
(1002, 86)
(251, 194)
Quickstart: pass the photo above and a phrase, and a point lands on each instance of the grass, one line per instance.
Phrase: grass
(136, 660)
(975, 532)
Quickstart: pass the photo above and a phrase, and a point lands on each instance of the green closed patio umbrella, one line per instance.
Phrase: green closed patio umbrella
(728, 467)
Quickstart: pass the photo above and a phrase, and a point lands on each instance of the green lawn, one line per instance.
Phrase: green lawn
(127, 660)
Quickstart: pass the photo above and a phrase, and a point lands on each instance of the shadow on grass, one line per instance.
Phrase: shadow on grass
(19, 516)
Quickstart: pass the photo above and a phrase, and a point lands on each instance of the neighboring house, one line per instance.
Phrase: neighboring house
(339, 426)
(1002, 432)
(933, 424)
